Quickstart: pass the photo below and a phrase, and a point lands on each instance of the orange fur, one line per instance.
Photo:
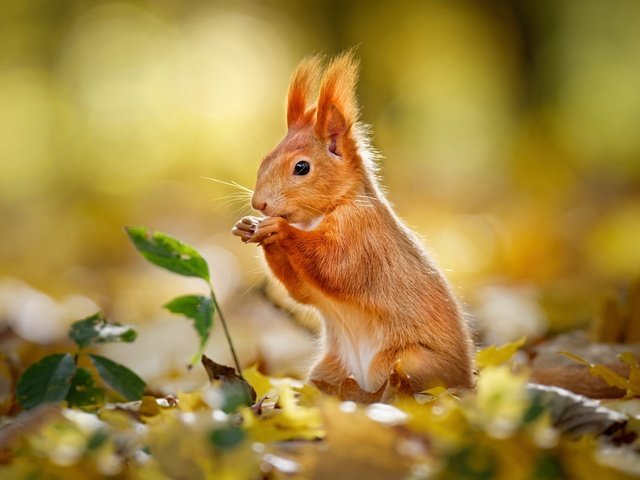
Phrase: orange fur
(303, 81)
(337, 93)
(334, 241)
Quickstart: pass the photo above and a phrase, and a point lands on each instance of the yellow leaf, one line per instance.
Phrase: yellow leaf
(433, 394)
(629, 359)
(581, 460)
(442, 419)
(190, 402)
(358, 447)
(495, 355)
(117, 419)
(501, 400)
(575, 358)
(308, 395)
(633, 384)
(435, 391)
(260, 383)
(600, 371)
(609, 376)
(149, 406)
(291, 421)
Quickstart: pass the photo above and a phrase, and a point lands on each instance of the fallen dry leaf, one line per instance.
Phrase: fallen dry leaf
(398, 383)
(226, 375)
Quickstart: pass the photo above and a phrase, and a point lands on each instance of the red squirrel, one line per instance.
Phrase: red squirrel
(332, 238)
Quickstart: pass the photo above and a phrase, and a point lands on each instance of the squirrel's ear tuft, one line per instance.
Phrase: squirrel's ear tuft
(337, 107)
(303, 84)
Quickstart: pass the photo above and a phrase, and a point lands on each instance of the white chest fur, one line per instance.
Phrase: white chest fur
(353, 337)
(310, 225)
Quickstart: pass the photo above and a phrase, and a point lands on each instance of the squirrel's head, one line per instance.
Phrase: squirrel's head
(317, 166)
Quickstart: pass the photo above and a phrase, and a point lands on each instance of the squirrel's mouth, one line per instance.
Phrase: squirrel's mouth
(268, 212)
(291, 217)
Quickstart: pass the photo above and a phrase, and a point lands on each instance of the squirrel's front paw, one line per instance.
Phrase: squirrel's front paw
(270, 229)
(245, 228)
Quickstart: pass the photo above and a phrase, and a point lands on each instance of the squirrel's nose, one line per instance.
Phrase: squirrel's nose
(258, 204)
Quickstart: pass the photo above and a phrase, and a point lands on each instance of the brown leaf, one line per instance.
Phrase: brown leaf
(632, 332)
(215, 371)
(619, 320)
(577, 379)
(224, 374)
(149, 407)
(398, 383)
(549, 367)
(324, 387)
(611, 324)
(350, 390)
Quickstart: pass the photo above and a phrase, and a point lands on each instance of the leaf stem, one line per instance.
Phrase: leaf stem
(226, 331)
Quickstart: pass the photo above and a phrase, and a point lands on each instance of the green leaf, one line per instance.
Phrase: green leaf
(119, 377)
(227, 437)
(547, 466)
(84, 392)
(198, 308)
(95, 329)
(169, 253)
(235, 395)
(47, 381)
(98, 439)
(535, 409)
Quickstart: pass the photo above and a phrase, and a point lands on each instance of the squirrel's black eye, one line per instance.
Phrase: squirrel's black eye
(301, 168)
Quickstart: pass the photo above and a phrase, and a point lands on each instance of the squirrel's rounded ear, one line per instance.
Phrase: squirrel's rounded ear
(303, 83)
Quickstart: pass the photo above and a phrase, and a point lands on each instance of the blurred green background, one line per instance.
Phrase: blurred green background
(510, 132)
